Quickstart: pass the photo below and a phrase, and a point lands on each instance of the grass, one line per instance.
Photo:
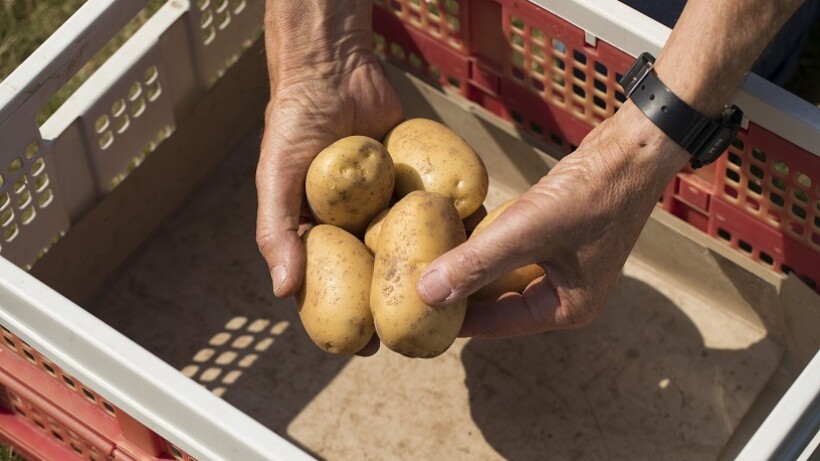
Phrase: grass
(8, 454)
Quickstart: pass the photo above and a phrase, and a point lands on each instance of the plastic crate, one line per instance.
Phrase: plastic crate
(99, 396)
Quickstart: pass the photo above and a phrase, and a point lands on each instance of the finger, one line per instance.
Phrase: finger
(538, 309)
(285, 155)
(511, 241)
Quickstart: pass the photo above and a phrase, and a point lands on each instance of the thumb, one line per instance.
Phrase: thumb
(504, 245)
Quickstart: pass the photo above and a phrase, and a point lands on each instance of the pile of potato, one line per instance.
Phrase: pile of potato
(365, 257)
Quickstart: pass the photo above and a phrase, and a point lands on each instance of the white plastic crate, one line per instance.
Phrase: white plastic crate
(138, 98)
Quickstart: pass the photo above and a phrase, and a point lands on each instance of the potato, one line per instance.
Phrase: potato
(418, 229)
(429, 156)
(371, 235)
(350, 182)
(334, 301)
(513, 281)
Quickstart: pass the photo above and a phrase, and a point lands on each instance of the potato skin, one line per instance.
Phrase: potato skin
(418, 229)
(514, 281)
(350, 182)
(334, 301)
(371, 235)
(429, 156)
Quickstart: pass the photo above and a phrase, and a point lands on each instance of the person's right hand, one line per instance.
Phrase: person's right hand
(326, 84)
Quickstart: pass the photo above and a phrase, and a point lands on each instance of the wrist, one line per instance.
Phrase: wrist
(316, 39)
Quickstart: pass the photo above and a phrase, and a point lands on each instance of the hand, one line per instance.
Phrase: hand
(319, 95)
(579, 223)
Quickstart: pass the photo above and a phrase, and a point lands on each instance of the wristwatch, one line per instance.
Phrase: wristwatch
(704, 138)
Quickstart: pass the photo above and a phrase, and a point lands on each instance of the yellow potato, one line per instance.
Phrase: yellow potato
(429, 156)
(418, 229)
(350, 182)
(334, 301)
(513, 281)
(371, 235)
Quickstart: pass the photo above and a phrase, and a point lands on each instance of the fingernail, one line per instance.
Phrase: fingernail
(435, 287)
(278, 274)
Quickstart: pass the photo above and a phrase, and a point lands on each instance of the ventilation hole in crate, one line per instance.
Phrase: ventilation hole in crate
(453, 24)
(118, 107)
(802, 179)
(236, 323)
(23, 199)
(619, 96)
(134, 91)
(106, 140)
(558, 98)
(204, 355)
(434, 29)
(397, 51)
(537, 85)
(220, 339)
(557, 140)
(89, 395)
(434, 72)
(396, 6)
(433, 10)
(453, 82)
(776, 199)
(730, 191)
(57, 436)
(41, 182)
(733, 176)
(242, 342)
(138, 107)
(154, 90)
(32, 150)
(756, 171)
(108, 408)
(755, 187)
(11, 232)
(15, 165)
(764, 257)
(537, 35)
(799, 212)
(599, 85)
(517, 118)
(779, 183)
(601, 69)
(760, 156)
(122, 123)
(175, 451)
(734, 159)
(745, 246)
(579, 74)
(28, 215)
(223, 19)
(19, 411)
(263, 345)
(37, 167)
(517, 58)
(558, 63)
(10, 343)
(190, 370)
(49, 369)
(208, 34)
(559, 46)
(780, 167)
(40, 424)
(210, 375)
(578, 109)
(69, 382)
(817, 222)
(752, 203)
(538, 53)
(2, 180)
(738, 144)
(452, 6)
(517, 23)
(202, 5)
(20, 184)
(415, 61)
(222, 6)
(579, 91)
(76, 448)
(579, 57)
(6, 216)
(536, 128)
(559, 80)
(801, 195)
(414, 4)
(795, 228)
(815, 238)
(599, 103)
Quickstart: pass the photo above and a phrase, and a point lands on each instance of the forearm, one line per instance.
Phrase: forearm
(714, 44)
(315, 37)
(704, 62)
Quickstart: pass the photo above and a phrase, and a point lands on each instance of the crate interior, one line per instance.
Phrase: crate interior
(663, 372)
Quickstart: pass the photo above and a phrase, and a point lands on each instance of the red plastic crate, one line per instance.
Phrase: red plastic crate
(445, 21)
(762, 243)
(419, 54)
(48, 414)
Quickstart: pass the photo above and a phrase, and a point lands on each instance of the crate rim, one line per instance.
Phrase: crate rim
(130, 377)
